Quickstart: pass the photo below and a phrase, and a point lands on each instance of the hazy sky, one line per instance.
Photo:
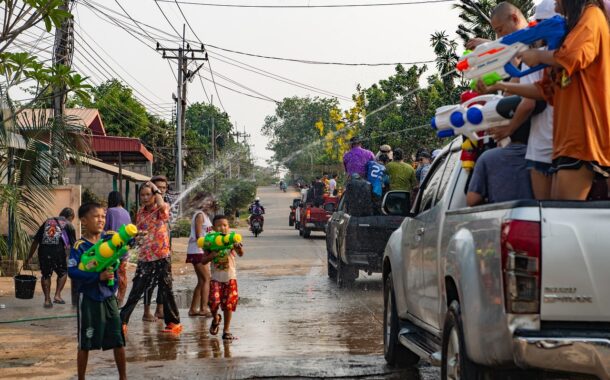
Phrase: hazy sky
(372, 34)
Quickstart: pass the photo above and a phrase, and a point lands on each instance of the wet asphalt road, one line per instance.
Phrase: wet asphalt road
(292, 321)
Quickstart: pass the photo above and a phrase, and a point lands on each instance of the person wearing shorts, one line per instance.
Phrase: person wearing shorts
(99, 323)
(205, 204)
(223, 287)
(53, 240)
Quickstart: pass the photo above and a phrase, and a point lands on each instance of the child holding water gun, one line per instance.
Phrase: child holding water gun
(576, 84)
(99, 324)
(223, 287)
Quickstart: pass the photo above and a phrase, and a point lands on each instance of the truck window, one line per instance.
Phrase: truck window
(453, 159)
(432, 185)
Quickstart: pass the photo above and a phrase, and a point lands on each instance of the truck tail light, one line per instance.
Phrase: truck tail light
(308, 214)
(521, 262)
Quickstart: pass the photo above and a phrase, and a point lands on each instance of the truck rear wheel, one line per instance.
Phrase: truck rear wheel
(306, 233)
(455, 363)
(395, 353)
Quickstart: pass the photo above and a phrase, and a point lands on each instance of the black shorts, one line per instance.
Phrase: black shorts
(52, 261)
(569, 163)
(99, 324)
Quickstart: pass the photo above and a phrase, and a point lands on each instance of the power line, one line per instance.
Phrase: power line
(167, 19)
(240, 92)
(209, 64)
(267, 74)
(311, 62)
(368, 5)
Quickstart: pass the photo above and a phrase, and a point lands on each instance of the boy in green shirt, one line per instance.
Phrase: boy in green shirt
(402, 175)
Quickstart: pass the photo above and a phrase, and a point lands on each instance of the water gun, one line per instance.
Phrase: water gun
(222, 243)
(216, 241)
(492, 61)
(107, 253)
(485, 112)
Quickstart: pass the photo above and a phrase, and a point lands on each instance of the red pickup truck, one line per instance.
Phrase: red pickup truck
(315, 218)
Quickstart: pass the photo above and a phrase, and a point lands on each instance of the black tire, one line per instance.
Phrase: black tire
(290, 221)
(346, 274)
(297, 225)
(455, 362)
(332, 271)
(306, 233)
(395, 353)
(300, 231)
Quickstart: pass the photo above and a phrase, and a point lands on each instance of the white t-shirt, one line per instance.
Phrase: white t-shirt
(332, 185)
(224, 269)
(193, 248)
(540, 143)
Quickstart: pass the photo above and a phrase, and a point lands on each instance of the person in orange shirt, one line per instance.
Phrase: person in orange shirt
(577, 84)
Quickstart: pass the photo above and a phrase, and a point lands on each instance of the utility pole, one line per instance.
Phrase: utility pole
(63, 50)
(213, 145)
(181, 54)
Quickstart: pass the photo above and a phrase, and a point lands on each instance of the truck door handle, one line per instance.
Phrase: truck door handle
(420, 231)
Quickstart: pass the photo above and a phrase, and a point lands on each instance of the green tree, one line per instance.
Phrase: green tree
(237, 194)
(294, 138)
(122, 113)
(26, 161)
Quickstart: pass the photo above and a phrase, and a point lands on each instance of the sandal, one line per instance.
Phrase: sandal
(59, 302)
(48, 305)
(228, 336)
(215, 325)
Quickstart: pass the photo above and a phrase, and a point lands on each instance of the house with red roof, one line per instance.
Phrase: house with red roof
(118, 163)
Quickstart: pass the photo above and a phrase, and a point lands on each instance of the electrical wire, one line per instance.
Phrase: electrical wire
(367, 5)
(167, 19)
(312, 62)
(237, 91)
(209, 63)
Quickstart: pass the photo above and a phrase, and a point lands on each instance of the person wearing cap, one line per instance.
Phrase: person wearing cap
(384, 149)
(356, 159)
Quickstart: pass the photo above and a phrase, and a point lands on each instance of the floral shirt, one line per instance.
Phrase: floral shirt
(155, 245)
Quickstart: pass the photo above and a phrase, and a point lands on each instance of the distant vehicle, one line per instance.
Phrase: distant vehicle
(515, 286)
(256, 224)
(315, 218)
(292, 218)
(355, 243)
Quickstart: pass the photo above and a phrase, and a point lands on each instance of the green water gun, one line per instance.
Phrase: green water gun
(107, 253)
(218, 242)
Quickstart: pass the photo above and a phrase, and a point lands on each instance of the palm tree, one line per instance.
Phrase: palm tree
(475, 17)
(29, 148)
(446, 57)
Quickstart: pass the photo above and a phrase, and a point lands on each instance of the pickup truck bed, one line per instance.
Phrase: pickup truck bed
(357, 243)
(516, 285)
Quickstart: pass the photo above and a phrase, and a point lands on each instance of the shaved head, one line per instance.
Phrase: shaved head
(505, 10)
(507, 18)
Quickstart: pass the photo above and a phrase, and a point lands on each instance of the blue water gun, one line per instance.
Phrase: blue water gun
(493, 61)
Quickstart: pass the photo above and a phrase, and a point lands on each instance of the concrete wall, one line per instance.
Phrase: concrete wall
(63, 196)
(101, 183)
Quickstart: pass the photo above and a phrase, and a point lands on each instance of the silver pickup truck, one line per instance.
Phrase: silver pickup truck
(486, 292)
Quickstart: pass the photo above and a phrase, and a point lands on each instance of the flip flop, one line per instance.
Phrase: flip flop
(48, 305)
(215, 325)
(228, 337)
(59, 302)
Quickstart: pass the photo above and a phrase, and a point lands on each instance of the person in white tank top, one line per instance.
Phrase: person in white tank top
(205, 205)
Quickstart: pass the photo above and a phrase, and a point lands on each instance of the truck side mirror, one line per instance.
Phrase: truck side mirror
(397, 203)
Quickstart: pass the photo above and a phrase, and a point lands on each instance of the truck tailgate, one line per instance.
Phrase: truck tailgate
(371, 233)
(576, 262)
